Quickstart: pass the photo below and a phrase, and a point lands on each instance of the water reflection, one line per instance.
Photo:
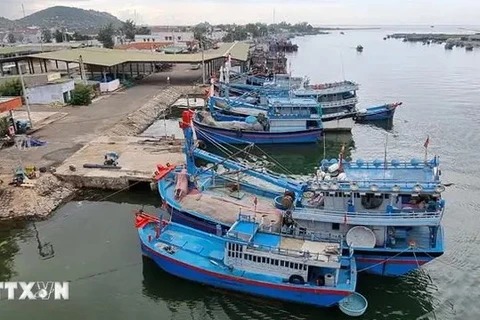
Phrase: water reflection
(383, 124)
(408, 297)
(10, 233)
(298, 158)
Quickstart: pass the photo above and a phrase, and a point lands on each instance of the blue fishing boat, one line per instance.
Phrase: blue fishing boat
(390, 213)
(338, 100)
(294, 121)
(379, 113)
(250, 260)
(244, 107)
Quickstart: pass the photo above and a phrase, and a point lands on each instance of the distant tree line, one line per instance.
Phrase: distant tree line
(61, 36)
(234, 32)
(242, 32)
(128, 31)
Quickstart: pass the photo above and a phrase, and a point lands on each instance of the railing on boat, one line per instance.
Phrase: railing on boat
(378, 186)
(295, 116)
(339, 103)
(379, 164)
(332, 90)
(332, 256)
(404, 218)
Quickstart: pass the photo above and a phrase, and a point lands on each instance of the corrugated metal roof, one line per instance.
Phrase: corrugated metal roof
(111, 57)
(9, 50)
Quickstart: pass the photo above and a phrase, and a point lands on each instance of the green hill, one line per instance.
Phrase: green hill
(72, 19)
(5, 23)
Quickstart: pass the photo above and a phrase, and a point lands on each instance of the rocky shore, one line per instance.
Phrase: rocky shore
(139, 120)
(47, 192)
(35, 202)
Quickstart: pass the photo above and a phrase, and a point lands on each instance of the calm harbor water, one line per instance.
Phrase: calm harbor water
(95, 244)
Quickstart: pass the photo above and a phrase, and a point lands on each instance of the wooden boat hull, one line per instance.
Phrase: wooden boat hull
(221, 135)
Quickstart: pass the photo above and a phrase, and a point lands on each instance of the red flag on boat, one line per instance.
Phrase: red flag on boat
(427, 142)
(345, 219)
(141, 219)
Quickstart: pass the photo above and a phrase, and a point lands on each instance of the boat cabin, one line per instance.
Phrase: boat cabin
(397, 201)
(295, 260)
(293, 114)
(333, 97)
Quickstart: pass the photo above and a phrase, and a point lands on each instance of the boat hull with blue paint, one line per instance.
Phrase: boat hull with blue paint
(187, 253)
(379, 113)
(369, 261)
(206, 133)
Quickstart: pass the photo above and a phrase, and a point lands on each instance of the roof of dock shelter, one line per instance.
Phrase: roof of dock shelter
(111, 57)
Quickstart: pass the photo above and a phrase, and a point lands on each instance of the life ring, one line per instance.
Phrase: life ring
(412, 243)
(296, 279)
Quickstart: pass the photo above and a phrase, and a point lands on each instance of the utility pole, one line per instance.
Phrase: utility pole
(25, 96)
(203, 61)
(82, 70)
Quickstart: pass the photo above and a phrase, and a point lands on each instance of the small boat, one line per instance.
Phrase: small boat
(360, 48)
(341, 32)
(354, 305)
(378, 113)
(251, 260)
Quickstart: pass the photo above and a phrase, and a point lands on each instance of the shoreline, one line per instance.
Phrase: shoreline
(50, 190)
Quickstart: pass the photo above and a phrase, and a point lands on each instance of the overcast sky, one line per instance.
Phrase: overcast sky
(317, 12)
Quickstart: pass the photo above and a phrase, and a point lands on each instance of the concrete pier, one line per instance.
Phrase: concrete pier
(138, 158)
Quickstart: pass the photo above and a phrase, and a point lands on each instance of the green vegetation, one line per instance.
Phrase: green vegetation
(6, 23)
(105, 36)
(143, 30)
(81, 95)
(255, 30)
(12, 88)
(4, 124)
(46, 35)
(129, 29)
(62, 36)
(80, 37)
(11, 38)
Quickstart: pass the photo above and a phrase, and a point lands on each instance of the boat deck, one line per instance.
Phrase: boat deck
(390, 173)
(224, 206)
(325, 248)
(205, 252)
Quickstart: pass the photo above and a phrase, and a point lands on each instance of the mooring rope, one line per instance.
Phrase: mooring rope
(384, 261)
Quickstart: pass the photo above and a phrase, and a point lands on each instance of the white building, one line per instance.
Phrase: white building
(177, 37)
(216, 34)
(59, 91)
